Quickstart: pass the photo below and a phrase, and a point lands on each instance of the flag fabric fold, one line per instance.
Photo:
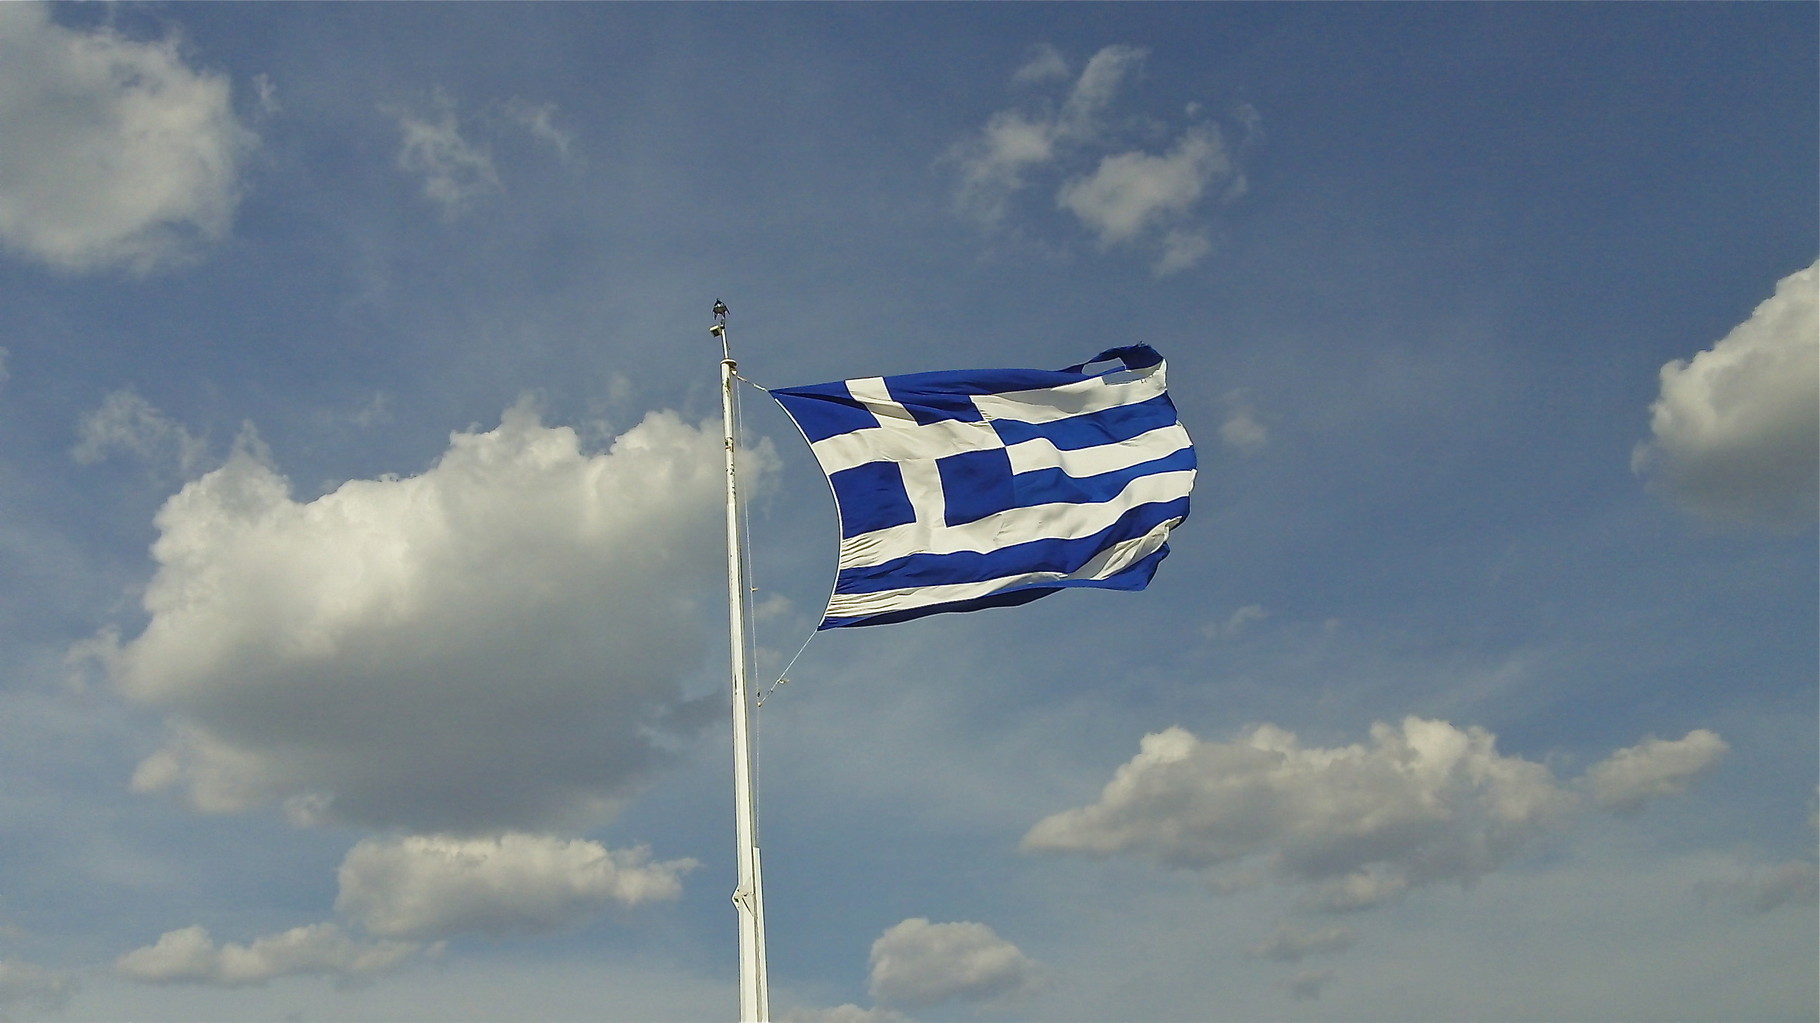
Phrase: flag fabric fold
(984, 488)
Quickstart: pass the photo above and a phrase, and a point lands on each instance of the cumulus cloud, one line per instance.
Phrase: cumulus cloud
(1735, 432)
(1353, 826)
(190, 956)
(496, 644)
(1131, 196)
(434, 886)
(1627, 779)
(33, 986)
(917, 963)
(128, 423)
(117, 153)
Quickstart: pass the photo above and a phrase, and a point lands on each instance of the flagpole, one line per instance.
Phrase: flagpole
(749, 896)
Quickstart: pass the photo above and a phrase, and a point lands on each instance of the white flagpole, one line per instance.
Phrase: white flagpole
(749, 896)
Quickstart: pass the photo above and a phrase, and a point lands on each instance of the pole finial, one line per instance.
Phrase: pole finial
(719, 329)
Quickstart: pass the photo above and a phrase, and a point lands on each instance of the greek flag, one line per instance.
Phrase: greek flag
(985, 488)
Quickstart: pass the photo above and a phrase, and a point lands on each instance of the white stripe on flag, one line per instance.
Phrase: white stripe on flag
(1060, 521)
(903, 441)
(1107, 563)
(1041, 453)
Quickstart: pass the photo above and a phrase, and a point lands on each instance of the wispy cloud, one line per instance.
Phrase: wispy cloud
(1759, 888)
(1291, 944)
(848, 1013)
(1131, 197)
(454, 157)
(455, 170)
(539, 120)
(1241, 430)
(993, 163)
(31, 985)
(128, 423)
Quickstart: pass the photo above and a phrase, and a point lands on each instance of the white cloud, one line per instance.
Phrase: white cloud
(1627, 779)
(1134, 195)
(190, 956)
(1236, 623)
(539, 120)
(992, 169)
(455, 171)
(1422, 803)
(917, 963)
(127, 422)
(455, 161)
(1306, 986)
(1100, 81)
(1045, 64)
(1130, 197)
(1736, 430)
(424, 886)
(117, 152)
(1241, 430)
(1013, 141)
(1762, 889)
(27, 984)
(1291, 944)
(495, 644)
(267, 94)
(1182, 248)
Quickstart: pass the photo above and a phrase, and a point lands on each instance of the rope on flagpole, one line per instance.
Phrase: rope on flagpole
(783, 676)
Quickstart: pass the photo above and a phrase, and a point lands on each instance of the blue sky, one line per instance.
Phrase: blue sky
(360, 539)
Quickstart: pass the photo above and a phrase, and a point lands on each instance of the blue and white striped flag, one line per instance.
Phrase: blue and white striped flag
(984, 488)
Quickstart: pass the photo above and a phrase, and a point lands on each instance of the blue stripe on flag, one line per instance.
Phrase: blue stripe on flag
(1108, 426)
(978, 381)
(1133, 357)
(928, 402)
(1003, 598)
(833, 412)
(1136, 577)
